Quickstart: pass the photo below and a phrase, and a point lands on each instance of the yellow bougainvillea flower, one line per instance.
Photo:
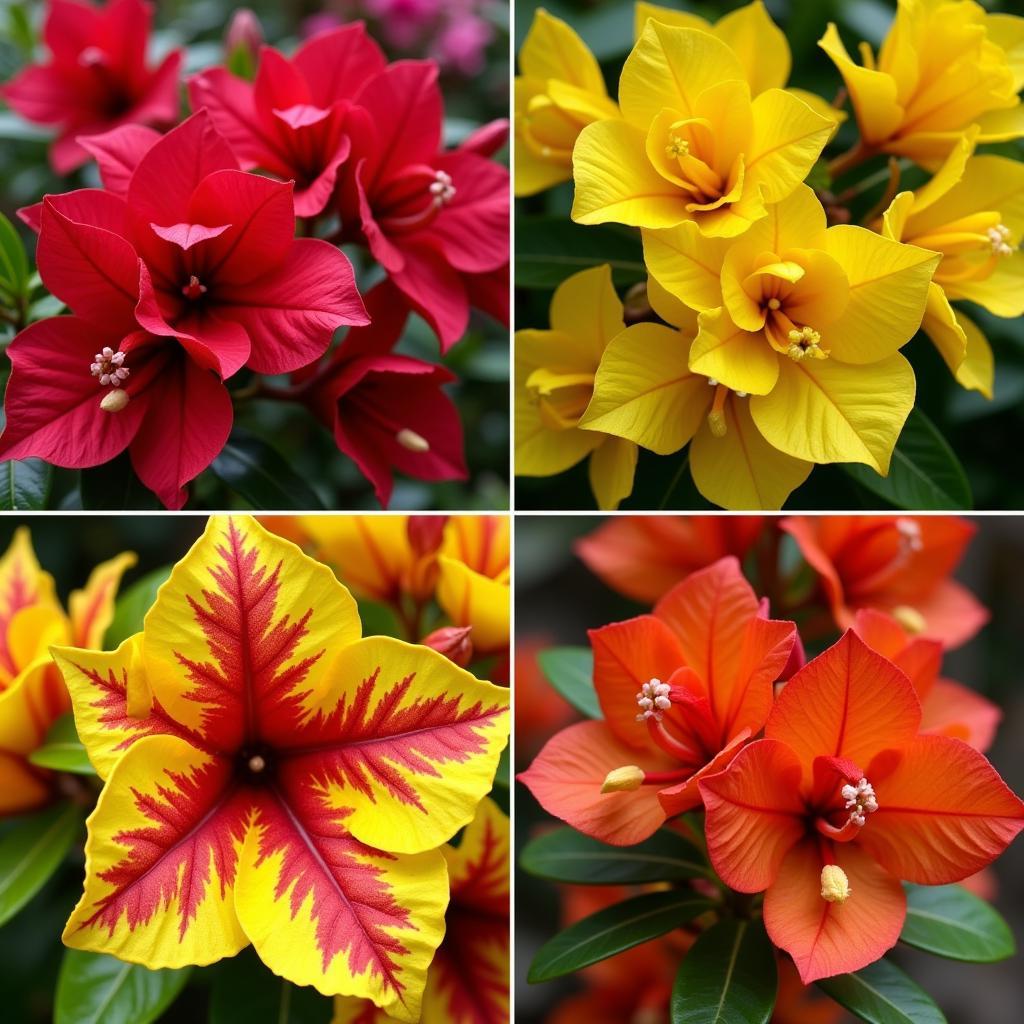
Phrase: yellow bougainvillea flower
(692, 146)
(757, 41)
(972, 212)
(555, 380)
(560, 91)
(288, 782)
(469, 979)
(32, 695)
(645, 391)
(474, 582)
(945, 65)
(807, 322)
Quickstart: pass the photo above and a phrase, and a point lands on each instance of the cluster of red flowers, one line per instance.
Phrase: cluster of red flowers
(184, 269)
(825, 782)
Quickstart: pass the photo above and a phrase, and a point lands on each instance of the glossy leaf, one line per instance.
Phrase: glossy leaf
(246, 992)
(567, 856)
(728, 977)
(31, 852)
(882, 994)
(24, 485)
(256, 471)
(614, 929)
(62, 750)
(570, 670)
(97, 989)
(132, 606)
(924, 473)
(949, 921)
(13, 262)
(548, 250)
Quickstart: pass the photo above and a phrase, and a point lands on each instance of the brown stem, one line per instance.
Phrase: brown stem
(846, 162)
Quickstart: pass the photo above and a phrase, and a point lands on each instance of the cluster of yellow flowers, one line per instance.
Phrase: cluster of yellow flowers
(781, 334)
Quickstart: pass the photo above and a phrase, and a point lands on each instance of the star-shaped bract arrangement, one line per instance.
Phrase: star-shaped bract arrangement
(273, 779)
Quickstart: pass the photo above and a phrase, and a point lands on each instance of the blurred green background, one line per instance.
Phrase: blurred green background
(308, 458)
(977, 430)
(557, 599)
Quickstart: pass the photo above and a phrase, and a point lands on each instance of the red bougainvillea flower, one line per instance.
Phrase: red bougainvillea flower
(644, 556)
(200, 251)
(32, 695)
(843, 799)
(71, 399)
(291, 121)
(899, 564)
(389, 412)
(436, 221)
(469, 979)
(96, 77)
(681, 691)
(947, 708)
(272, 778)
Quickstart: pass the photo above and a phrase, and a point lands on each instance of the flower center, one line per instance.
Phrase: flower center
(561, 397)
(108, 367)
(441, 188)
(999, 238)
(909, 531)
(255, 764)
(805, 343)
(653, 700)
(860, 801)
(835, 886)
(194, 289)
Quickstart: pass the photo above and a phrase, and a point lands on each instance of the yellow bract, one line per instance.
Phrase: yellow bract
(972, 212)
(945, 65)
(559, 92)
(555, 381)
(32, 696)
(693, 146)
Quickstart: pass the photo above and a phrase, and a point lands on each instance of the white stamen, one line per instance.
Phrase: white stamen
(653, 700)
(999, 236)
(442, 189)
(741, 394)
(860, 801)
(910, 534)
(108, 367)
(712, 382)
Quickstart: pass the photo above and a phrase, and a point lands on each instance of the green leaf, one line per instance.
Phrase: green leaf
(19, 29)
(241, 62)
(62, 751)
(614, 929)
(924, 473)
(949, 921)
(818, 177)
(246, 992)
(550, 249)
(98, 989)
(566, 856)
(25, 485)
(728, 977)
(570, 670)
(31, 852)
(882, 994)
(256, 471)
(13, 261)
(115, 487)
(132, 606)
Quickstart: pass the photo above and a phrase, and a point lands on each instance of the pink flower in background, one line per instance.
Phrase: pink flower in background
(403, 22)
(96, 77)
(462, 45)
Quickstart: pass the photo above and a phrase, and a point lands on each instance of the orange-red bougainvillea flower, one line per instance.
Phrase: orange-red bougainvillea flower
(643, 556)
(681, 691)
(899, 564)
(841, 800)
(947, 708)
(469, 978)
(273, 779)
(32, 696)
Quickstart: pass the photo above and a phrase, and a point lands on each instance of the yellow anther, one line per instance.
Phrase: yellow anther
(835, 886)
(909, 618)
(716, 417)
(774, 304)
(411, 441)
(806, 343)
(999, 237)
(623, 780)
(677, 147)
(114, 401)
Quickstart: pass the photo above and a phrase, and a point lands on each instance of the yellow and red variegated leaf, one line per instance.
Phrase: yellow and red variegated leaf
(323, 909)
(30, 706)
(404, 739)
(237, 638)
(107, 688)
(478, 868)
(92, 607)
(162, 858)
(349, 1010)
(23, 585)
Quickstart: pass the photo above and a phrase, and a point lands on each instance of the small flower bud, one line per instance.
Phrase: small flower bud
(623, 780)
(426, 533)
(453, 642)
(244, 31)
(835, 886)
